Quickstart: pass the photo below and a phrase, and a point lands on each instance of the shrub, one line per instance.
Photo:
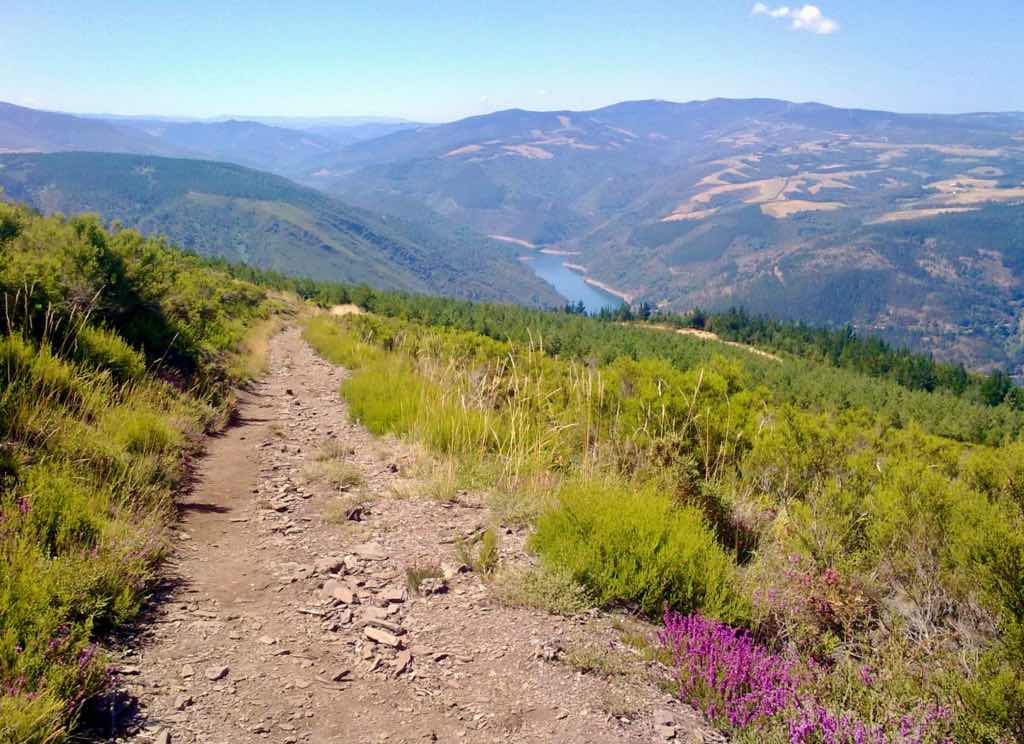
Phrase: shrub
(540, 588)
(629, 542)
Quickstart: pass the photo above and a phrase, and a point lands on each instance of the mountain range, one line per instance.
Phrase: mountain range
(907, 225)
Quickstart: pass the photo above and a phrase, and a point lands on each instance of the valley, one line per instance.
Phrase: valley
(905, 226)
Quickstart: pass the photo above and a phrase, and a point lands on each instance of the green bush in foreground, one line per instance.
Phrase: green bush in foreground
(628, 543)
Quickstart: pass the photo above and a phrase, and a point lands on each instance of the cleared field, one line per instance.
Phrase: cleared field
(528, 151)
(467, 150)
(918, 214)
(785, 208)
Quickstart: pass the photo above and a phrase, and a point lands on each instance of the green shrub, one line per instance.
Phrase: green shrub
(628, 542)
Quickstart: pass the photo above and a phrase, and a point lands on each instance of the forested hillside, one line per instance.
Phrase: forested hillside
(218, 209)
(908, 226)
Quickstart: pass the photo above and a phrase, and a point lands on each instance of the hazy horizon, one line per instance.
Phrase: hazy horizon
(455, 60)
(327, 118)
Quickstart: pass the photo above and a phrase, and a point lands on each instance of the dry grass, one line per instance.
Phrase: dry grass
(782, 209)
(537, 588)
(337, 473)
(349, 507)
(529, 151)
(250, 362)
(918, 214)
(467, 150)
(416, 575)
(591, 658)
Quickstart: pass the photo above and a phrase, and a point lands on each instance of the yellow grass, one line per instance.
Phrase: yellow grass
(529, 151)
(782, 209)
(918, 214)
(467, 150)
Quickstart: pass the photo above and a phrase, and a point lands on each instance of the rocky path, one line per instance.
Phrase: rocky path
(290, 623)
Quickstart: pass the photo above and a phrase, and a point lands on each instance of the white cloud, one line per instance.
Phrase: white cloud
(806, 18)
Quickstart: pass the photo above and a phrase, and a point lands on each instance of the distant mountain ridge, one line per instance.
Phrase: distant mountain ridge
(285, 145)
(28, 130)
(800, 210)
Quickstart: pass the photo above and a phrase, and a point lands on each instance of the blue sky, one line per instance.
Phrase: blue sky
(436, 60)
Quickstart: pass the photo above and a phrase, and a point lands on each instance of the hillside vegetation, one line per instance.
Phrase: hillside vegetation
(116, 354)
(223, 210)
(838, 558)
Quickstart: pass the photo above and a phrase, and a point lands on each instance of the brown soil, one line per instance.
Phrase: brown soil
(265, 638)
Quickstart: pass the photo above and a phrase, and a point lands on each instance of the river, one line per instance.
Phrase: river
(570, 284)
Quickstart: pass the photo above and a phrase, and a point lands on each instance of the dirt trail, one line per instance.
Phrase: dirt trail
(264, 638)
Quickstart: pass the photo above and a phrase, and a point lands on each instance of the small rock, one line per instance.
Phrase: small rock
(451, 570)
(387, 625)
(373, 613)
(182, 701)
(394, 594)
(214, 673)
(187, 670)
(340, 591)
(379, 635)
(664, 717)
(340, 675)
(370, 552)
(329, 565)
(433, 586)
(403, 662)
(665, 732)
(163, 737)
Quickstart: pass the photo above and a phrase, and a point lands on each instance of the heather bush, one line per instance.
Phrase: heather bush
(742, 686)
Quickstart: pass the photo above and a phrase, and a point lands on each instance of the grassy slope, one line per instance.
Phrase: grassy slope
(832, 532)
(116, 353)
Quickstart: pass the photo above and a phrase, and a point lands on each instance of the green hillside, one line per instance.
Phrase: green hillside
(826, 557)
(223, 210)
(116, 355)
(862, 536)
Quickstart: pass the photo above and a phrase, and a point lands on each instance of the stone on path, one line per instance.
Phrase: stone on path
(214, 673)
(379, 635)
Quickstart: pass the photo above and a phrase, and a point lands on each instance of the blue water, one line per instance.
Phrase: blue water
(570, 284)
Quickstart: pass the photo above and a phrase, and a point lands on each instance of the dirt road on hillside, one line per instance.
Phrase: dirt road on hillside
(288, 626)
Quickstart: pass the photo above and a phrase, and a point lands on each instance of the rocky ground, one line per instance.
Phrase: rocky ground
(291, 618)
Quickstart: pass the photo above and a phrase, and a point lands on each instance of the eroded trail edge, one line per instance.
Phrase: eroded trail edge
(293, 624)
